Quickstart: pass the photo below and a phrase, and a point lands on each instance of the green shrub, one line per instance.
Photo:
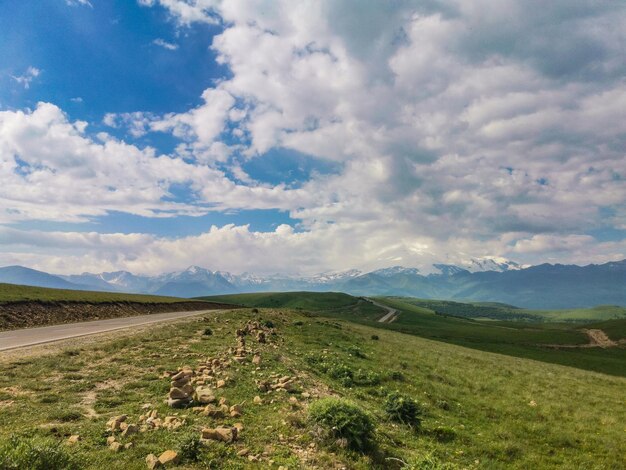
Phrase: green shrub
(403, 409)
(207, 332)
(190, 448)
(20, 453)
(268, 324)
(375, 337)
(356, 352)
(298, 323)
(255, 310)
(342, 420)
(397, 376)
(366, 377)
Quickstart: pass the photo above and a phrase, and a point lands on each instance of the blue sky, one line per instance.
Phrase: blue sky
(301, 137)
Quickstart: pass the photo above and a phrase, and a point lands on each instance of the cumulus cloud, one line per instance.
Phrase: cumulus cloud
(461, 129)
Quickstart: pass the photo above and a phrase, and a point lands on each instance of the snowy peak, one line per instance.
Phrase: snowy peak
(448, 269)
(334, 276)
(395, 270)
(489, 263)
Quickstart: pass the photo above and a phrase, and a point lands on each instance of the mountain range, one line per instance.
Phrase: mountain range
(545, 286)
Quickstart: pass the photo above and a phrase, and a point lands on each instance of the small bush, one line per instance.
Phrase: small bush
(342, 420)
(190, 448)
(397, 376)
(356, 352)
(255, 310)
(19, 453)
(268, 324)
(298, 323)
(366, 377)
(208, 332)
(375, 337)
(403, 409)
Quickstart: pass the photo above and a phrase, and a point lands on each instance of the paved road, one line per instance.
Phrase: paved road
(391, 314)
(46, 334)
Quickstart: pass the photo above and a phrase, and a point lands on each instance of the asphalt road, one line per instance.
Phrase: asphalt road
(391, 314)
(46, 334)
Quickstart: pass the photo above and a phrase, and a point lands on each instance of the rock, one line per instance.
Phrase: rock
(221, 383)
(306, 395)
(128, 445)
(178, 376)
(110, 440)
(256, 359)
(258, 400)
(260, 337)
(114, 423)
(178, 403)
(130, 429)
(146, 406)
(177, 394)
(235, 411)
(213, 412)
(115, 446)
(73, 439)
(153, 462)
(239, 427)
(243, 452)
(222, 434)
(222, 401)
(168, 457)
(204, 395)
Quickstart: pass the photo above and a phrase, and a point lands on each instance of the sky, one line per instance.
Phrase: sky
(300, 137)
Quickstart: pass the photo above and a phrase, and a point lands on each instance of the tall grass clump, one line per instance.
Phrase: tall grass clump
(21, 453)
(342, 421)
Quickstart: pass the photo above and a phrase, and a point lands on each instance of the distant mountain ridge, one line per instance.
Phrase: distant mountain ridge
(545, 286)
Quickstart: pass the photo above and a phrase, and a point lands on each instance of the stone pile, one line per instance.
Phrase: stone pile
(181, 390)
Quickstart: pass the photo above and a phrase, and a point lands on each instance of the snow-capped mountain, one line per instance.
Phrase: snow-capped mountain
(484, 279)
(395, 270)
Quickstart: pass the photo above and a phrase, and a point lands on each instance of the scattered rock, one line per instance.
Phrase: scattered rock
(222, 434)
(221, 383)
(114, 423)
(130, 429)
(204, 395)
(152, 461)
(168, 457)
(73, 439)
(115, 446)
(258, 400)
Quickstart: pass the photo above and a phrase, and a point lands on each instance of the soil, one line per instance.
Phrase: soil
(16, 315)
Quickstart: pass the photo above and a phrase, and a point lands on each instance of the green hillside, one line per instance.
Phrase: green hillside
(534, 339)
(15, 293)
(466, 409)
(499, 311)
(303, 300)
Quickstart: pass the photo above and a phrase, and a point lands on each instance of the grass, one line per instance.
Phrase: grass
(533, 339)
(499, 311)
(15, 293)
(297, 300)
(479, 410)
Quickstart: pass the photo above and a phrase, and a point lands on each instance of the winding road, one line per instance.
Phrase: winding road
(31, 336)
(390, 316)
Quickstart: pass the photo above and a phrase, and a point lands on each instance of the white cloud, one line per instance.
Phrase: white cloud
(74, 3)
(164, 44)
(27, 77)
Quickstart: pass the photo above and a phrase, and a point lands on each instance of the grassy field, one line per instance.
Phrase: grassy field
(480, 410)
(498, 311)
(301, 300)
(533, 340)
(15, 293)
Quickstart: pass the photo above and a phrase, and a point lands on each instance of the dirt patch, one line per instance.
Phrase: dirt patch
(600, 338)
(16, 315)
(597, 339)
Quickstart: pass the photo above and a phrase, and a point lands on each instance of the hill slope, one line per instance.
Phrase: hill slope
(479, 410)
